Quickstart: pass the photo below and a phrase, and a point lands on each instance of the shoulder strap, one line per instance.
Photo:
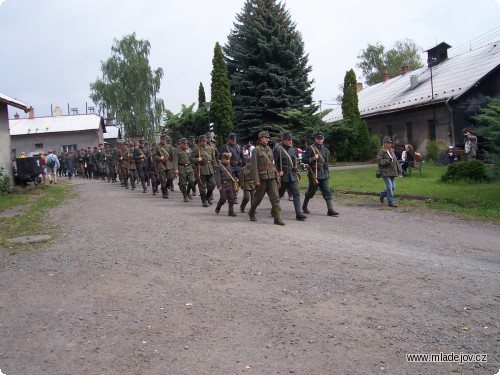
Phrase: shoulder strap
(229, 174)
(287, 154)
(315, 150)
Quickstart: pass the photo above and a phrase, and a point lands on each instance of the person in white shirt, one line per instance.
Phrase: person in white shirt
(52, 163)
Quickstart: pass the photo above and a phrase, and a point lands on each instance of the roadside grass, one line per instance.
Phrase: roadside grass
(32, 222)
(478, 201)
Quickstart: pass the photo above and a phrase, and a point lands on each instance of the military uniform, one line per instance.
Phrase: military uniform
(101, 164)
(184, 169)
(140, 156)
(205, 169)
(225, 180)
(191, 145)
(164, 159)
(263, 173)
(132, 168)
(123, 162)
(248, 186)
(286, 163)
(109, 164)
(318, 171)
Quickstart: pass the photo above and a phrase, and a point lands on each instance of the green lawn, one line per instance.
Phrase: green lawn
(480, 201)
(38, 200)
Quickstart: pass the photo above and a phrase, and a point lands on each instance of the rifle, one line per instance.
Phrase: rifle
(315, 173)
(198, 170)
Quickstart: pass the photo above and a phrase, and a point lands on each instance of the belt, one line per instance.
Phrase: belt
(185, 165)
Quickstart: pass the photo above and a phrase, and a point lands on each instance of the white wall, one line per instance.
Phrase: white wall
(5, 145)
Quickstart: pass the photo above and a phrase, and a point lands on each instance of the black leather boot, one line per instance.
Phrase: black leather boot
(304, 206)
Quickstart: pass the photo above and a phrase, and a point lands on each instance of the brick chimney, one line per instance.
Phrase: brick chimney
(16, 116)
(404, 69)
(31, 113)
(359, 86)
(386, 75)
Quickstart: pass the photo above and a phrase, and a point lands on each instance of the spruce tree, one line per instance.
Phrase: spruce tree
(350, 100)
(267, 66)
(221, 108)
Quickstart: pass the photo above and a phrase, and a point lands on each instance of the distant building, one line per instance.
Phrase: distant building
(5, 139)
(434, 102)
(59, 133)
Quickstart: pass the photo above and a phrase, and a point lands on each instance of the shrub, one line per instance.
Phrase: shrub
(4, 182)
(432, 151)
(470, 171)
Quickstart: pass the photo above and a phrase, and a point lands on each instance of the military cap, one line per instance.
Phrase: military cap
(163, 136)
(263, 134)
(202, 138)
(232, 136)
(287, 136)
(191, 137)
(387, 139)
(319, 135)
(183, 140)
(141, 141)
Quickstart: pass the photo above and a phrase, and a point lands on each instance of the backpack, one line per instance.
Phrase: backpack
(51, 162)
(468, 147)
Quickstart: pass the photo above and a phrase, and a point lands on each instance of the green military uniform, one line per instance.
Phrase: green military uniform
(248, 186)
(132, 168)
(204, 158)
(265, 177)
(124, 162)
(184, 169)
(164, 159)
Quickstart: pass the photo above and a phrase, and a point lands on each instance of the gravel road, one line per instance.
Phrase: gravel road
(135, 284)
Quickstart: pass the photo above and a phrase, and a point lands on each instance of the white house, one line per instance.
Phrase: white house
(5, 139)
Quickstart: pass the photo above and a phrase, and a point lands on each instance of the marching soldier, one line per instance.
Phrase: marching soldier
(265, 177)
(164, 164)
(101, 162)
(248, 186)
(140, 156)
(191, 145)
(123, 162)
(237, 160)
(171, 177)
(204, 158)
(318, 158)
(184, 169)
(286, 162)
(226, 183)
(132, 168)
(152, 172)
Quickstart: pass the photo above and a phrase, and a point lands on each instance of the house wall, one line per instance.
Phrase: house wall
(420, 128)
(5, 142)
(55, 141)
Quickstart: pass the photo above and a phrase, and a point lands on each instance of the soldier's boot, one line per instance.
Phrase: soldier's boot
(304, 205)
(204, 202)
(125, 183)
(231, 210)
(144, 188)
(219, 205)
(251, 213)
(164, 192)
(243, 204)
(210, 197)
(331, 211)
(194, 191)
(298, 212)
(276, 215)
(236, 198)
(188, 191)
(184, 193)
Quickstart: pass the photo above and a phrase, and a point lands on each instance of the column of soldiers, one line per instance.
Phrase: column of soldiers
(268, 171)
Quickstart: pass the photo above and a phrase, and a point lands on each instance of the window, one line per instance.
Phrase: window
(38, 145)
(389, 130)
(409, 133)
(69, 148)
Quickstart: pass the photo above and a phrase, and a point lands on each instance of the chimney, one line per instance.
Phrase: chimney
(437, 54)
(359, 86)
(413, 81)
(16, 116)
(386, 75)
(404, 69)
(57, 111)
(31, 113)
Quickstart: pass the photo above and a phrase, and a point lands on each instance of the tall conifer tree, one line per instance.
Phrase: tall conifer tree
(201, 95)
(221, 110)
(267, 66)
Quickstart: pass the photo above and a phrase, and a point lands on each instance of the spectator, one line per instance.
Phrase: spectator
(471, 145)
(69, 163)
(451, 156)
(407, 157)
(52, 163)
(251, 147)
(44, 167)
(389, 167)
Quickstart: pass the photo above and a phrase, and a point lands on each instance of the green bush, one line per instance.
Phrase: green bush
(4, 182)
(432, 151)
(471, 171)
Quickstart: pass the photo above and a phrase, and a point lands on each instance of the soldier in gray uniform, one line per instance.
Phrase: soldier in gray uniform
(237, 161)
(191, 145)
(265, 177)
(204, 159)
(318, 158)
(184, 169)
(286, 163)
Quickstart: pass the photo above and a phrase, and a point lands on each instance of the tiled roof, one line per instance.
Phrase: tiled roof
(4, 98)
(450, 79)
(42, 125)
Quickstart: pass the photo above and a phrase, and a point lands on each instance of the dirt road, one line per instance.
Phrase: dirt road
(134, 284)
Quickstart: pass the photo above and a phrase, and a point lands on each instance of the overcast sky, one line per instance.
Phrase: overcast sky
(52, 49)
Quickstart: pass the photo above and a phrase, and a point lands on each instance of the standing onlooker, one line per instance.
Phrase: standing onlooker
(471, 145)
(389, 167)
(52, 163)
(69, 163)
(251, 147)
(44, 167)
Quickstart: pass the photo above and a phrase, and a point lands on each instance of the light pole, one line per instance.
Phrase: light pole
(207, 108)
